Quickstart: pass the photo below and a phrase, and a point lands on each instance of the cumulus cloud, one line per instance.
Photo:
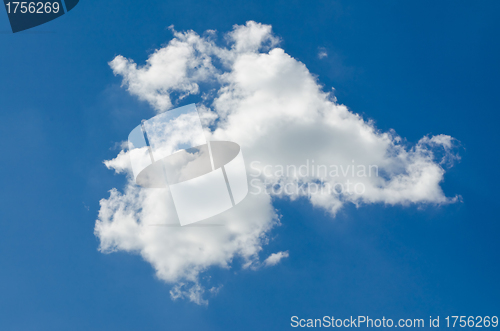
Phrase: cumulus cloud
(275, 258)
(297, 141)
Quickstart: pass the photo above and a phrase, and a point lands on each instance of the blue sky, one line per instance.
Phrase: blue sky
(417, 67)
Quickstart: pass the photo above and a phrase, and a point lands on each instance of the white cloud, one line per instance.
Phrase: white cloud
(143, 221)
(322, 53)
(193, 293)
(251, 37)
(275, 258)
(270, 104)
(175, 68)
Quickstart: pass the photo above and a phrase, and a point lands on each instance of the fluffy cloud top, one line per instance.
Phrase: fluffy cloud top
(275, 109)
(275, 258)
